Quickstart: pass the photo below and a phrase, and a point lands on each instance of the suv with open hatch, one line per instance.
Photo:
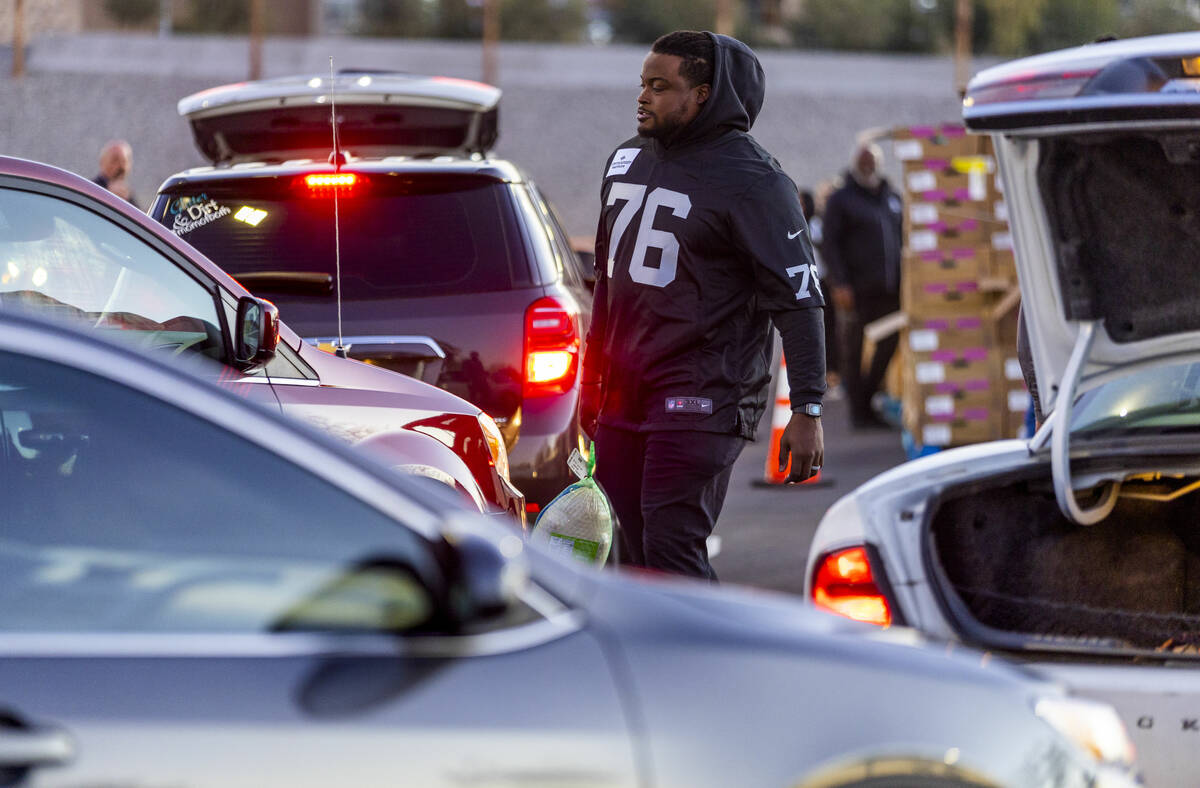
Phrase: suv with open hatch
(74, 251)
(411, 246)
(1076, 552)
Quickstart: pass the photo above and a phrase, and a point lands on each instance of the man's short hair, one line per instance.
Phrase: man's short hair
(695, 48)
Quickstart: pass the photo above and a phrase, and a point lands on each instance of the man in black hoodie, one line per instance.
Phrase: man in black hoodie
(861, 249)
(700, 248)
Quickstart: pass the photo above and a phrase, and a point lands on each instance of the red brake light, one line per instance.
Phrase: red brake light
(551, 347)
(845, 585)
(1030, 86)
(323, 183)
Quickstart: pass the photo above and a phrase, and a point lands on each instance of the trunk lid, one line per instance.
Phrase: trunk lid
(1099, 153)
(379, 114)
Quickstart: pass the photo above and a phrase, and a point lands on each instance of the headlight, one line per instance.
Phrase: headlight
(495, 443)
(1091, 725)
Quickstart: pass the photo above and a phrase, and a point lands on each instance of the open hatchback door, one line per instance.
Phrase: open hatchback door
(379, 114)
(1099, 151)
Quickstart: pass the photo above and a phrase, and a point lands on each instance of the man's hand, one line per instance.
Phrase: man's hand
(804, 441)
(843, 298)
(589, 408)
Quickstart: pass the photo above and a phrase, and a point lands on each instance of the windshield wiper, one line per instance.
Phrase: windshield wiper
(287, 282)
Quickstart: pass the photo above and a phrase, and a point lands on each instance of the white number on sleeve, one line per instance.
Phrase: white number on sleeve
(808, 273)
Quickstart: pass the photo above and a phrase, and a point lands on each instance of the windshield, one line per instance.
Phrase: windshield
(1156, 401)
(400, 236)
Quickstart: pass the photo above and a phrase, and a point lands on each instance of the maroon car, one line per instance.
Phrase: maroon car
(72, 250)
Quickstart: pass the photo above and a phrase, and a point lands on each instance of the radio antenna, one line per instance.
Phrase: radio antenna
(336, 159)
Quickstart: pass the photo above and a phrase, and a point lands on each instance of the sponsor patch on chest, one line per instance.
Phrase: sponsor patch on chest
(689, 405)
(621, 161)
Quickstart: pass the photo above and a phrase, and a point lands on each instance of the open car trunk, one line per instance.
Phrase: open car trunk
(1015, 573)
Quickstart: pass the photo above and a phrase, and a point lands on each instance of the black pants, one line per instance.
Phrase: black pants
(667, 489)
(861, 387)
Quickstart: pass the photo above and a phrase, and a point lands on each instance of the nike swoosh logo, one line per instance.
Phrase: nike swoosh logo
(793, 235)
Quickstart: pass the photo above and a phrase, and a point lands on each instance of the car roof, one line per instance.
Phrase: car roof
(499, 170)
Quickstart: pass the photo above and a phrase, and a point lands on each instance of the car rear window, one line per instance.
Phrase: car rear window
(400, 236)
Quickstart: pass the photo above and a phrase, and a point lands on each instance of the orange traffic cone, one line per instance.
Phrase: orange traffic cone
(781, 413)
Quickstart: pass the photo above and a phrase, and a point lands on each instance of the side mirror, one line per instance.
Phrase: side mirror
(487, 572)
(256, 332)
(587, 267)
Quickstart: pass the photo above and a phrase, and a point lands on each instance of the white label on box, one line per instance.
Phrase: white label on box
(939, 405)
(977, 185)
(922, 213)
(1001, 211)
(936, 435)
(907, 150)
(1002, 241)
(1012, 369)
(922, 241)
(999, 183)
(1018, 401)
(922, 181)
(930, 372)
(923, 340)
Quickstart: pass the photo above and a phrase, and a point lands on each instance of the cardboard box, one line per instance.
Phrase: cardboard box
(942, 295)
(929, 339)
(957, 263)
(1014, 397)
(944, 140)
(945, 185)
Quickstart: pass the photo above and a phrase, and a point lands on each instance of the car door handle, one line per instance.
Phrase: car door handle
(29, 748)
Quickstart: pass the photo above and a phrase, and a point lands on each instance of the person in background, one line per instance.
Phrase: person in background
(116, 162)
(862, 241)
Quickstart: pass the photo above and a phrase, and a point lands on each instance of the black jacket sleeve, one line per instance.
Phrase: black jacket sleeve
(803, 332)
(769, 231)
(832, 231)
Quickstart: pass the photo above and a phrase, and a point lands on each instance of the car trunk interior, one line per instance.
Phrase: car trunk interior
(1011, 562)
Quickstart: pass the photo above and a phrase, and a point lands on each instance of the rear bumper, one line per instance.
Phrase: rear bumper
(548, 433)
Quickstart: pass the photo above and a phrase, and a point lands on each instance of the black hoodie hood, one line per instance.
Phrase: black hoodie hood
(738, 87)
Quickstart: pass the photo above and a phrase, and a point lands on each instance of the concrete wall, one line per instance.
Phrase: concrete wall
(565, 108)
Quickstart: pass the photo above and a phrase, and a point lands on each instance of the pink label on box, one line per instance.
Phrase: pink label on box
(937, 164)
(939, 227)
(922, 131)
(943, 417)
(963, 253)
(975, 414)
(932, 256)
(953, 131)
(968, 323)
(962, 195)
(979, 384)
(937, 287)
(967, 287)
(975, 354)
(935, 195)
(969, 224)
(943, 355)
(937, 325)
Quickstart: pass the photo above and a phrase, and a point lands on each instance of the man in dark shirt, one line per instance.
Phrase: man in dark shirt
(861, 249)
(700, 248)
(116, 161)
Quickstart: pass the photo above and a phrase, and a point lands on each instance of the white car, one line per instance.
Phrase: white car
(1077, 552)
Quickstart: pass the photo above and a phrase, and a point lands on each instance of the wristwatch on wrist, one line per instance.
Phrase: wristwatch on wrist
(812, 409)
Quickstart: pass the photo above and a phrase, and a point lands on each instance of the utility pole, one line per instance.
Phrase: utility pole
(724, 22)
(491, 39)
(256, 38)
(18, 39)
(164, 18)
(962, 46)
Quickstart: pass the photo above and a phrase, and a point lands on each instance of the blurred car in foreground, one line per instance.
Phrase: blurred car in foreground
(71, 250)
(454, 267)
(194, 591)
(1076, 552)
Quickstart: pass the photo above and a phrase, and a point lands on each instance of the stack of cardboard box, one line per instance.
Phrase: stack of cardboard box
(958, 283)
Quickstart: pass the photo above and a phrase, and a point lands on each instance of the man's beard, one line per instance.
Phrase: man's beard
(666, 129)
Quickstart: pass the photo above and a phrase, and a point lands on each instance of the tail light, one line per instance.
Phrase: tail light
(551, 347)
(323, 184)
(1031, 86)
(844, 584)
(495, 443)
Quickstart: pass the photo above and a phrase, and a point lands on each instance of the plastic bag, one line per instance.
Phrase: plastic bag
(580, 521)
